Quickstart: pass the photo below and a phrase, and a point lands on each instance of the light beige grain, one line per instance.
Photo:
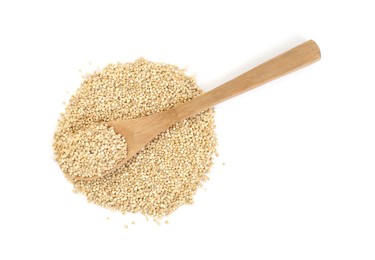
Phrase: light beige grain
(168, 171)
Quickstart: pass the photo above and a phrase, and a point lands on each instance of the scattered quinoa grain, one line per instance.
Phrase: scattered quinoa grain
(168, 171)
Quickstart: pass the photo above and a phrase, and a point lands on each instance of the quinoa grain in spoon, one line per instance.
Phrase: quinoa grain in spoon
(90, 152)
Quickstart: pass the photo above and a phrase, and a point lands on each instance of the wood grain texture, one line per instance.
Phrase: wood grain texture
(140, 131)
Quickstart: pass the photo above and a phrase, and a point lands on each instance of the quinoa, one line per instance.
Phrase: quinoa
(90, 152)
(168, 171)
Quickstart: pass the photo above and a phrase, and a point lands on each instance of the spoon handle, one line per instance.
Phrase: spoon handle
(294, 59)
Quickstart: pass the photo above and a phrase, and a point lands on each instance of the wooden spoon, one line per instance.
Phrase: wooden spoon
(139, 132)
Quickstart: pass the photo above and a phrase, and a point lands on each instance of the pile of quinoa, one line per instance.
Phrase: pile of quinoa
(168, 171)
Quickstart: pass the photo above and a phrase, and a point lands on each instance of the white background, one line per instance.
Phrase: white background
(299, 153)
